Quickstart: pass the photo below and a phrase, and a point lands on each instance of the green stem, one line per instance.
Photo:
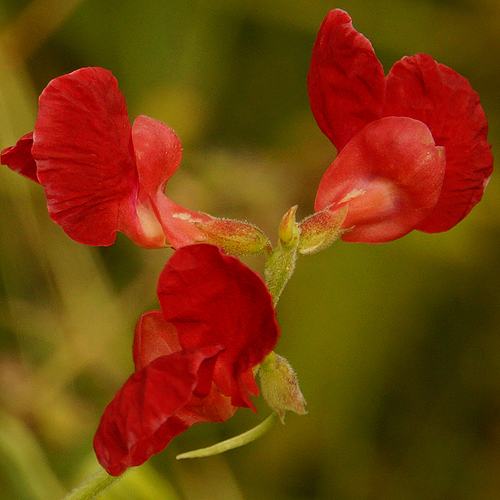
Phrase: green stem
(279, 269)
(280, 263)
(234, 442)
(93, 486)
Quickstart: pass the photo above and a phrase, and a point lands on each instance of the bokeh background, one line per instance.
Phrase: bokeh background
(397, 346)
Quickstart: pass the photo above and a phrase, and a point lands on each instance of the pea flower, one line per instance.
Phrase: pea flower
(100, 174)
(194, 359)
(412, 148)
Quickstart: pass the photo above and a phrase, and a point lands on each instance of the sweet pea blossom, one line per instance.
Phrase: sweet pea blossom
(100, 174)
(194, 359)
(412, 148)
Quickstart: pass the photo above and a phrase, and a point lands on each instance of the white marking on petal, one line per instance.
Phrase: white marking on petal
(182, 216)
(186, 216)
(353, 194)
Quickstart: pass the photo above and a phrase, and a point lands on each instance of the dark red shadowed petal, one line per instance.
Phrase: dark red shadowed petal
(158, 154)
(215, 407)
(390, 176)
(147, 412)
(214, 299)
(154, 337)
(20, 159)
(421, 88)
(83, 149)
(346, 80)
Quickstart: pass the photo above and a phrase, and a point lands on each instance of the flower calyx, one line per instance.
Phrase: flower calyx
(320, 230)
(233, 236)
(280, 386)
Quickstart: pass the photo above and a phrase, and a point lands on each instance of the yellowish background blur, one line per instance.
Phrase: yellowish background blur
(397, 346)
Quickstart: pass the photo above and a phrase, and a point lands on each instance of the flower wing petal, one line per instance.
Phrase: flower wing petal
(147, 412)
(214, 299)
(423, 89)
(390, 176)
(83, 149)
(153, 337)
(346, 81)
(158, 152)
(20, 159)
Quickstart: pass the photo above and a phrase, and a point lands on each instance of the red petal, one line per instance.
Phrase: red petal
(158, 153)
(390, 175)
(214, 299)
(153, 337)
(20, 159)
(147, 412)
(421, 88)
(178, 223)
(346, 80)
(83, 149)
(215, 407)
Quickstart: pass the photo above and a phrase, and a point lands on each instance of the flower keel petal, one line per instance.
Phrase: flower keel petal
(158, 154)
(389, 175)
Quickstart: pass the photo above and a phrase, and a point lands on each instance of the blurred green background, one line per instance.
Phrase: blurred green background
(397, 346)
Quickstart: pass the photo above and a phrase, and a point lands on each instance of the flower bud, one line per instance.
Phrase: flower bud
(289, 230)
(234, 237)
(280, 386)
(320, 230)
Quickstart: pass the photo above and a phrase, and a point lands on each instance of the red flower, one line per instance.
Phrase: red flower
(100, 174)
(412, 148)
(194, 359)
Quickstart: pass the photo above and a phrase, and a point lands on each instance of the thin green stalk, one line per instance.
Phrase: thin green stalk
(93, 486)
(234, 442)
